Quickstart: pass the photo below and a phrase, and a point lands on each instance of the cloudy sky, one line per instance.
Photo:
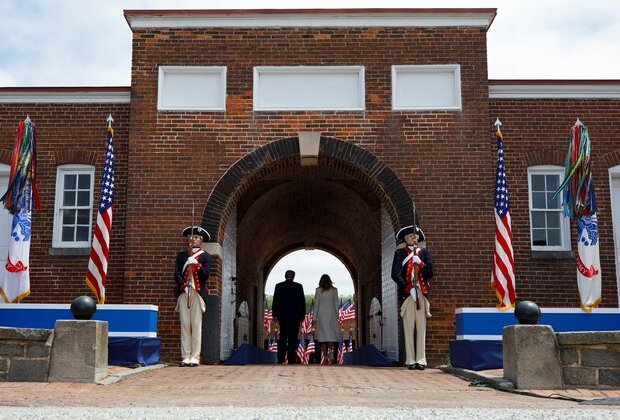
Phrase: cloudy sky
(88, 43)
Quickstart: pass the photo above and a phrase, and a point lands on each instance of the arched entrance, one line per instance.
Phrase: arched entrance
(346, 202)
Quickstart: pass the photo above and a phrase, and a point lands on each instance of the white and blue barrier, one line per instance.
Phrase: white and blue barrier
(489, 323)
(123, 320)
(479, 331)
(132, 329)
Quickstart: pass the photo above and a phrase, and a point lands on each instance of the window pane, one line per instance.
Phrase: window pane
(83, 198)
(554, 237)
(70, 181)
(553, 182)
(68, 217)
(538, 182)
(538, 200)
(539, 237)
(553, 203)
(67, 233)
(83, 217)
(84, 182)
(68, 198)
(538, 220)
(81, 233)
(553, 220)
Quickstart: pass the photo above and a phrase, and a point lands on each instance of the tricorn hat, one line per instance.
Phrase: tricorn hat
(410, 229)
(197, 230)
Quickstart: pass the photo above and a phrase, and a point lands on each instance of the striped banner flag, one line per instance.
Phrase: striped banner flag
(503, 276)
(100, 252)
(21, 196)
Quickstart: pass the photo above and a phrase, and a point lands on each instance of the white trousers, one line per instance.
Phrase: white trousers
(191, 323)
(414, 321)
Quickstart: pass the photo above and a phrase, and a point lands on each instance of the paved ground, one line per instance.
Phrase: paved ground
(276, 386)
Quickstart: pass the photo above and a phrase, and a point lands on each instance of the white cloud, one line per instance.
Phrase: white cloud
(88, 43)
(309, 266)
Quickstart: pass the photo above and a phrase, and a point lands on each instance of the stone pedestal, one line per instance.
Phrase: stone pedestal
(79, 351)
(531, 359)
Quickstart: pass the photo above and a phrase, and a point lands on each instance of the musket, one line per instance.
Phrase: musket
(189, 254)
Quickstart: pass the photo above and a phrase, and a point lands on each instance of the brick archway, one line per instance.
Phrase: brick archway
(276, 205)
(349, 157)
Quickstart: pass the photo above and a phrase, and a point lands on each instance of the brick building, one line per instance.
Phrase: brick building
(293, 129)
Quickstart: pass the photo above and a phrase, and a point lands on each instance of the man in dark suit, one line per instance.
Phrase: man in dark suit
(289, 309)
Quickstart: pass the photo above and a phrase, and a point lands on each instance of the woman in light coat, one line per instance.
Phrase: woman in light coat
(326, 317)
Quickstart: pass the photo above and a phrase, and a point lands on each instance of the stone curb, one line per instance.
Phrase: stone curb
(473, 376)
(115, 377)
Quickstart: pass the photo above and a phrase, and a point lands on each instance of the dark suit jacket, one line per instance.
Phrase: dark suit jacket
(203, 273)
(289, 302)
(399, 272)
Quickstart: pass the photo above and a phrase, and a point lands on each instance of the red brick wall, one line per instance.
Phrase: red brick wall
(444, 159)
(168, 162)
(535, 133)
(70, 133)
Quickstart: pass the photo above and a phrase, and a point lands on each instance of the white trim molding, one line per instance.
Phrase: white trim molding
(191, 88)
(139, 19)
(309, 88)
(554, 89)
(64, 96)
(426, 87)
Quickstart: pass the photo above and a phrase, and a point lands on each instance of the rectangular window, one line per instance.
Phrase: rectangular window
(550, 229)
(309, 88)
(426, 87)
(73, 208)
(191, 88)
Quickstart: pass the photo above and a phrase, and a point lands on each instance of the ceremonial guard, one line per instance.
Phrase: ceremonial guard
(191, 273)
(411, 270)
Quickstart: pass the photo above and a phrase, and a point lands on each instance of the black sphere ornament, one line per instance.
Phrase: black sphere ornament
(83, 307)
(527, 312)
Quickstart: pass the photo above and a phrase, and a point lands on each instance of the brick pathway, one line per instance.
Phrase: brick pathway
(275, 385)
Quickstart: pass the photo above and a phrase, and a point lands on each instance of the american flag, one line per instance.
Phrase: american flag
(267, 318)
(348, 312)
(301, 351)
(350, 345)
(341, 350)
(273, 345)
(310, 350)
(99, 253)
(503, 277)
(306, 324)
(342, 309)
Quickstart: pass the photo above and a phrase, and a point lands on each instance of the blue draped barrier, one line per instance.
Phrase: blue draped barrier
(133, 351)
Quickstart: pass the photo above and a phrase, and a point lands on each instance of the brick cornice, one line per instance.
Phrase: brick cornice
(64, 157)
(545, 157)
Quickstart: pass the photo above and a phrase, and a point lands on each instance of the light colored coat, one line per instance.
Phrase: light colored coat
(326, 315)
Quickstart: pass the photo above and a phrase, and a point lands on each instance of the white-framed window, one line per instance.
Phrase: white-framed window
(549, 228)
(191, 88)
(426, 87)
(74, 206)
(6, 218)
(309, 88)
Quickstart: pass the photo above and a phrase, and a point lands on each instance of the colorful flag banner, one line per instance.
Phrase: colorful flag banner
(20, 197)
(503, 275)
(579, 201)
(100, 252)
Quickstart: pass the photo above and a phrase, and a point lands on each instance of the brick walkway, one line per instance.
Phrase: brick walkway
(276, 385)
